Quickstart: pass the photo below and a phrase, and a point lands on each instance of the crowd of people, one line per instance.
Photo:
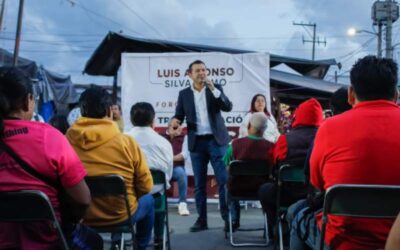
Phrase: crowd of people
(358, 145)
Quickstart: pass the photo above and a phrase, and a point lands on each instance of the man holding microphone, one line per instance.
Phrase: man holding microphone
(201, 104)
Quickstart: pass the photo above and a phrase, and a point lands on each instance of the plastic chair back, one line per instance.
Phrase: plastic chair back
(112, 185)
(29, 206)
(372, 201)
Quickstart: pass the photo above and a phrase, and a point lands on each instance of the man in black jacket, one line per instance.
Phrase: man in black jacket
(201, 104)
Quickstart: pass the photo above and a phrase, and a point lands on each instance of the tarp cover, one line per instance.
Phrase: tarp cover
(7, 58)
(106, 59)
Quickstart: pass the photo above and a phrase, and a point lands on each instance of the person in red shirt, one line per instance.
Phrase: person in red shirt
(360, 146)
(292, 148)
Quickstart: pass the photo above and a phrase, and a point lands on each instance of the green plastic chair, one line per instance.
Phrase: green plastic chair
(161, 204)
(371, 201)
(288, 173)
(112, 185)
(240, 169)
(29, 206)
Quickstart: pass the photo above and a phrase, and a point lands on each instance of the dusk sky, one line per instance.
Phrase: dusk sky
(62, 34)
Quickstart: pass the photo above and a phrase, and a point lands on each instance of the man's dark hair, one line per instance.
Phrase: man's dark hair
(374, 78)
(193, 63)
(142, 114)
(339, 102)
(95, 102)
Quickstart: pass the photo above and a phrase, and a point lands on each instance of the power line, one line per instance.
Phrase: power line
(302, 49)
(350, 55)
(49, 43)
(355, 50)
(56, 42)
(94, 20)
(315, 39)
(37, 33)
(259, 37)
(141, 18)
(55, 51)
(80, 5)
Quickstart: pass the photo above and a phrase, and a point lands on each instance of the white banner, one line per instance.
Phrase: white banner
(157, 78)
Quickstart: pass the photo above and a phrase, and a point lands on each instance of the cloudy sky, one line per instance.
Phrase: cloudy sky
(62, 34)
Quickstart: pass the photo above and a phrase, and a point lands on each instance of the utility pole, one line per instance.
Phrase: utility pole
(313, 36)
(385, 13)
(3, 6)
(389, 49)
(379, 34)
(18, 34)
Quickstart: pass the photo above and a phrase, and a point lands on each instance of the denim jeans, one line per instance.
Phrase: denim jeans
(144, 219)
(179, 175)
(234, 208)
(302, 224)
(294, 209)
(207, 149)
(83, 237)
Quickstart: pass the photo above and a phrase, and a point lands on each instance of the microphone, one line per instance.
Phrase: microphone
(206, 83)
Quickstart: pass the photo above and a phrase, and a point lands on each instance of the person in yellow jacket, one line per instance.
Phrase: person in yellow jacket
(104, 150)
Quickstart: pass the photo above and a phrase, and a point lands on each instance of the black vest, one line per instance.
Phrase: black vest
(298, 141)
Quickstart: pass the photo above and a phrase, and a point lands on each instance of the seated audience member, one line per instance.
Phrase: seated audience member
(117, 116)
(294, 145)
(338, 104)
(292, 148)
(259, 104)
(339, 101)
(157, 150)
(54, 161)
(104, 150)
(360, 146)
(60, 122)
(176, 138)
(252, 147)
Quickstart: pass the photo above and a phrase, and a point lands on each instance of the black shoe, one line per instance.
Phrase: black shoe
(158, 244)
(199, 225)
(235, 226)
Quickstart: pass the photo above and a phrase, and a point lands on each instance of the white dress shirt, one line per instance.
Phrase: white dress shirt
(200, 104)
(157, 150)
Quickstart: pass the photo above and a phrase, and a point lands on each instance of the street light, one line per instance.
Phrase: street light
(354, 31)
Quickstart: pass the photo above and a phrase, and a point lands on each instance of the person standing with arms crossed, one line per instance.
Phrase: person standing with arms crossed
(201, 104)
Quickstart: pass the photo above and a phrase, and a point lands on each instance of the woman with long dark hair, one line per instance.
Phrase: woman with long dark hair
(46, 152)
(259, 104)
